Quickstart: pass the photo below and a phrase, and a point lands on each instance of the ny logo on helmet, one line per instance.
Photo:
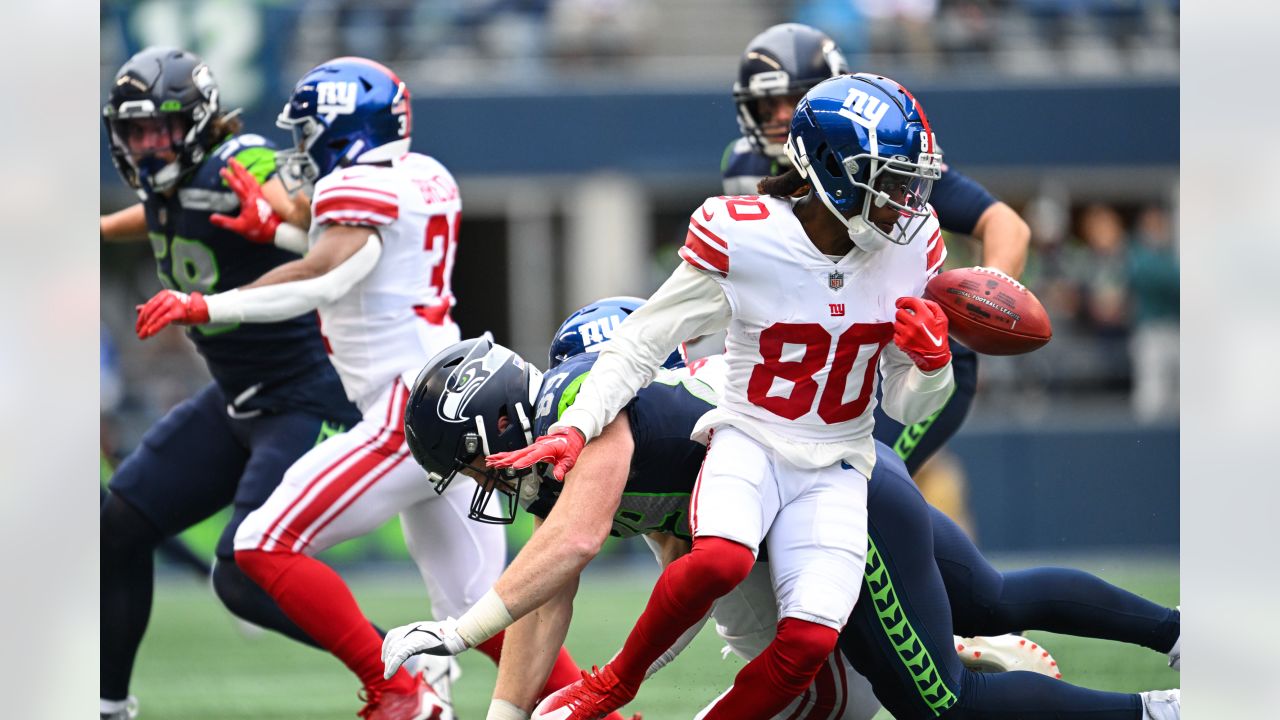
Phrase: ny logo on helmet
(863, 109)
(335, 98)
(595, 332)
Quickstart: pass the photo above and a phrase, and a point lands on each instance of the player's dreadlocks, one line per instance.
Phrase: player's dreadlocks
(788, 184)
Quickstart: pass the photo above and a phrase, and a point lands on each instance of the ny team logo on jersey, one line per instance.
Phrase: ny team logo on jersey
(335, 98)
(863, 109)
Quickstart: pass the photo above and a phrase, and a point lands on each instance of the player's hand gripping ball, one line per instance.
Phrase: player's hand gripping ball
(990, 312)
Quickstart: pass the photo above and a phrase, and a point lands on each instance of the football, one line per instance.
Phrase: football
(989, 312)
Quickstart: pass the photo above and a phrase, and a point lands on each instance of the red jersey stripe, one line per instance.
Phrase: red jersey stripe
(710, 256)
(340, 189)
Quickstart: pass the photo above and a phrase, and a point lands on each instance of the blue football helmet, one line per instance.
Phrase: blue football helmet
(863, 139)
(589, 328)
(346, 111)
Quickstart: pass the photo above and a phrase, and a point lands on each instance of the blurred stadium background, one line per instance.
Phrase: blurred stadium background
(583, 132)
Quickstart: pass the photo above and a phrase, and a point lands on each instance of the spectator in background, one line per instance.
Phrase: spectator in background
(901, 27)
(1153, 281)
(1104, 274)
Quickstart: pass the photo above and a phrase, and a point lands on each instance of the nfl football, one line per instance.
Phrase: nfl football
(989, 312)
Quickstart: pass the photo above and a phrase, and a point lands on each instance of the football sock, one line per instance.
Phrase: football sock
(776, 676)
(564, 672)
(683, 595)
(317, 599)
(127, 566)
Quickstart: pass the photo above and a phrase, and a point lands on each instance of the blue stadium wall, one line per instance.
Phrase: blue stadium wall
(666, 133)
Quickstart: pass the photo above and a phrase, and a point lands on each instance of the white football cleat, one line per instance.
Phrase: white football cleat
(1003, 653)
(1161, 704)
(128, 710)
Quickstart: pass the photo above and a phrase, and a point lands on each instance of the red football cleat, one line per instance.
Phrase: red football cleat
(421, 704)
(597, 694)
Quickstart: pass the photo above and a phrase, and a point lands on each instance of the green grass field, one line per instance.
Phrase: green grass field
(195, 664)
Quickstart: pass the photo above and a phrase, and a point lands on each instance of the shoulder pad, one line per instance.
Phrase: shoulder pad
(356, 195)
(704, 246)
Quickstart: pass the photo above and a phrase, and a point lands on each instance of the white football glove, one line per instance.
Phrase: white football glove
(430, 637)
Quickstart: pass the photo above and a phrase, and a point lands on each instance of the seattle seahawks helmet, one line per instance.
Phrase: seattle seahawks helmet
(590, 327)
(473, 399)
(345, 111)
(863, 139)
(786, 59)
(160, 93)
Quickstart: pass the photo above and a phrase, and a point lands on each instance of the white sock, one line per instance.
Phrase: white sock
(109, 706)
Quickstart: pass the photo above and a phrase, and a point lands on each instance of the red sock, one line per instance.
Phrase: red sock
(564, 672)
(779, 674)
(682, 596)
(316, 598)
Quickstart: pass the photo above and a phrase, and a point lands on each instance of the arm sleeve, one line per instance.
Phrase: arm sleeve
(960, 201)
(690, 303)
(911, 395)
(273, 303)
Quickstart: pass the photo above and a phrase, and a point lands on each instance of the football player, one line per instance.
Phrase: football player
(637, 479)
(381, 250)
(792, 445)
(274, 393)
(777, 68)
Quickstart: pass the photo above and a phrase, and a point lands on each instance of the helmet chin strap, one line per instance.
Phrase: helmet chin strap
(865, 237)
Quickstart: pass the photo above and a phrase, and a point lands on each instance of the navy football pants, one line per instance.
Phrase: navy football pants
(900, 633)
(191, 464)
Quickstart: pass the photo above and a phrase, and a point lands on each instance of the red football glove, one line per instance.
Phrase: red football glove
(170, 306)
(920, 331)
(560, 447)
(257, 222)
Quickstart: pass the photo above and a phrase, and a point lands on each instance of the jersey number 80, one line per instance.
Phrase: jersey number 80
(857, 349)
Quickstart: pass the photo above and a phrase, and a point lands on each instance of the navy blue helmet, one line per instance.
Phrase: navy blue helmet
(473, 399)
(863, 139)
(786, 59)
(590, 327)
(345, 111)
(160, 115)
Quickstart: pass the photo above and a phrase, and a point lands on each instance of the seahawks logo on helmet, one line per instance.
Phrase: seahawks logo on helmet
(460, 388)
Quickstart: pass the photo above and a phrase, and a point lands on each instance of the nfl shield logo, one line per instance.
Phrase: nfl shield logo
(835, 280)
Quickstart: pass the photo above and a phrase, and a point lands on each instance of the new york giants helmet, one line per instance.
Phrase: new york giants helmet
(786, 59)
(863, 139)
(473, 399)
(345, 111)
(173, 92)
(590, 327)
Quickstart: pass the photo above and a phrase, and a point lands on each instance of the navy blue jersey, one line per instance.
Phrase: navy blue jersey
(958, 199)
(259, 366)
(665, 462)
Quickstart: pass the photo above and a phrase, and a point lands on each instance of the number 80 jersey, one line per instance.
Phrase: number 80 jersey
(807, 331)
(397, 317)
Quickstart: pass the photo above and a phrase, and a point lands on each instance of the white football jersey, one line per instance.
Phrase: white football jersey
(807, 331)
(397, 317)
